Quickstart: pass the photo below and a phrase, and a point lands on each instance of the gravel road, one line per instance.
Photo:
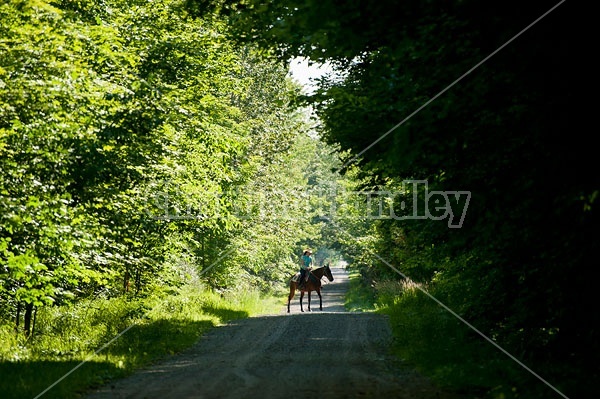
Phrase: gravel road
(322, 354)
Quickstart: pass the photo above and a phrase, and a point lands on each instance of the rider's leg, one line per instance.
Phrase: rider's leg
(301, 279)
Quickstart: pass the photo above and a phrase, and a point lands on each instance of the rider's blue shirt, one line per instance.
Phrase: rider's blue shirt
(306, 261)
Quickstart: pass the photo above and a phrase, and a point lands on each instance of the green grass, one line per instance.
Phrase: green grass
(156, 326)
(360, 296)
(455, 357)
(440, 346)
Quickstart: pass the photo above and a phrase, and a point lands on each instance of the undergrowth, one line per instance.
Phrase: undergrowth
(140, 331)
(430, 339)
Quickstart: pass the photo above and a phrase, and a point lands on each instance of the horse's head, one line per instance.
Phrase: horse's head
(328, 273)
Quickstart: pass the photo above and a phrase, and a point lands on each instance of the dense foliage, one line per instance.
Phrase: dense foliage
(141, 148)
(146, 145)
(418, 99)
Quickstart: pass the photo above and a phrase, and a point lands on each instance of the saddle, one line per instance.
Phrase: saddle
(310, 276)
(296, 278)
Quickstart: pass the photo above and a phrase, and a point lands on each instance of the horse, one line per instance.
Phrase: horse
(313, 284)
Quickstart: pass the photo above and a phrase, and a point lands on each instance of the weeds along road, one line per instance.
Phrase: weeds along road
(321, 354)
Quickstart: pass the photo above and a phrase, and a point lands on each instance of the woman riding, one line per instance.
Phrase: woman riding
(306, 262)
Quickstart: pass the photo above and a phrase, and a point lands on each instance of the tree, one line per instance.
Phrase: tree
(511, 133)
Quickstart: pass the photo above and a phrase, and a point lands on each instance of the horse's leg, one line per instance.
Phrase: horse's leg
(301, 298)
(309, 301)
(320, 300)
(292, 291)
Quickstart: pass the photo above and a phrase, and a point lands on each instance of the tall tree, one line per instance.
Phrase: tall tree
(510, 131)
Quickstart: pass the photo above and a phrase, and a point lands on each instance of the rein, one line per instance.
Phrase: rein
(326, 281)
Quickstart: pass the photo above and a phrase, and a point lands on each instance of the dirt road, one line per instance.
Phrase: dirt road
(321, 354)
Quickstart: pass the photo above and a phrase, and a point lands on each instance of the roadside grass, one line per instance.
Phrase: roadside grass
(439, 346)
(152, 328)
(454, 356)
(360, 297)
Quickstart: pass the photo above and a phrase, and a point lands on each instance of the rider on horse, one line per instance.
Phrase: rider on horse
(306, 262)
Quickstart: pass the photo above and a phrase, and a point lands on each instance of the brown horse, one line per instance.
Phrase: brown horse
(313, 284)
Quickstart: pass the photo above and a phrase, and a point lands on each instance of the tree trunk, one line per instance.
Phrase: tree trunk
(27, 319)
(126, 281)
(34, 319)
(138, 280)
